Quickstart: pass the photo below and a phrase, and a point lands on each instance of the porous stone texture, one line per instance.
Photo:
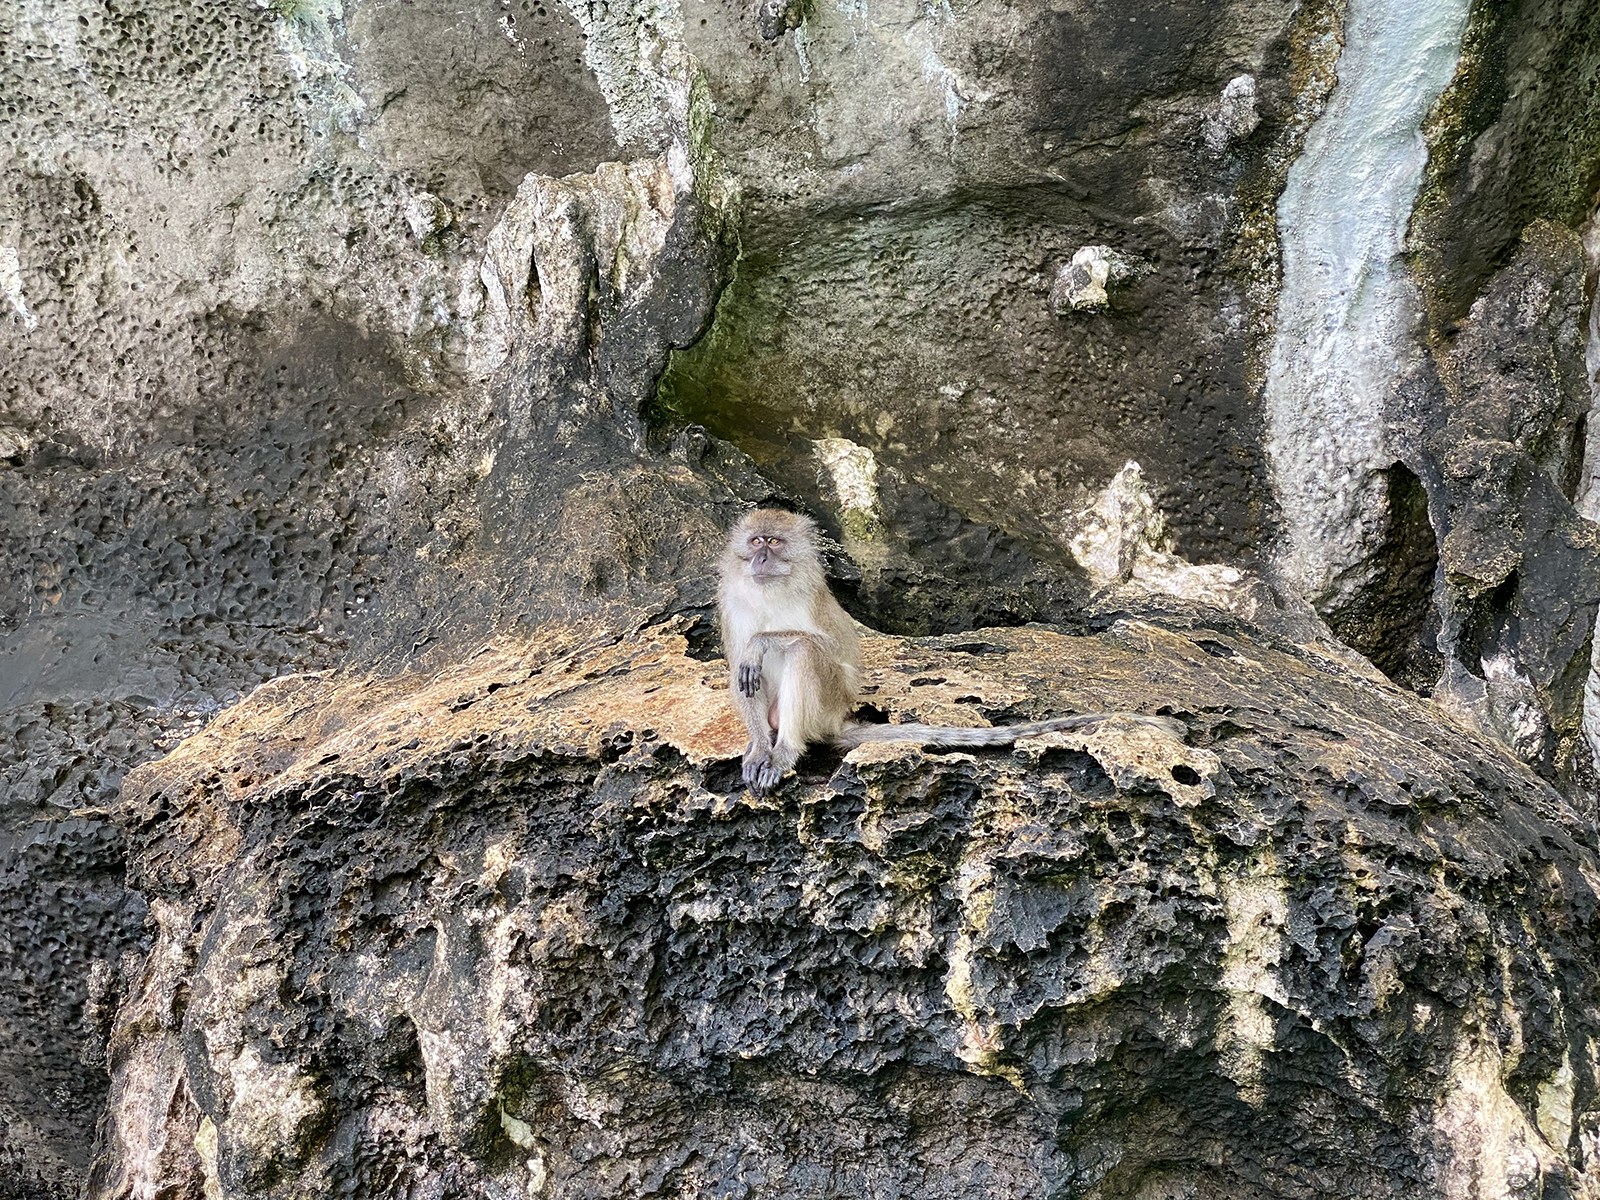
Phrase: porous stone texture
(516, 929)
(1521, 567)
(402, 346)
(255, 376)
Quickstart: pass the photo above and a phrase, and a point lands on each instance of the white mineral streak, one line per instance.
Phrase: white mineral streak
(1494, 1150)
(982, 1038)
(955, 92)
(271, 1104)
(1591, 699)
(538, 1173)
(149, 1105)
(1257, 908)
(802, 42)
(205, 1147)
(854, 473)
(11, 286)
(636, 52)
(58, 24)
(1554, 1111)
(1346, 308)
(1588, 499)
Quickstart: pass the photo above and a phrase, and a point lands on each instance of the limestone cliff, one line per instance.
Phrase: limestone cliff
(377, 379)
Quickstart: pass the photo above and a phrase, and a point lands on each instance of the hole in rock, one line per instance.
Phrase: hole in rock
(1488, 626)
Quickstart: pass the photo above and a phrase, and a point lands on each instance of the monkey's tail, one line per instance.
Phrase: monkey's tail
(855, 734)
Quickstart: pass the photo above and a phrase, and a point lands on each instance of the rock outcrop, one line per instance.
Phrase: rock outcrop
(516, 929)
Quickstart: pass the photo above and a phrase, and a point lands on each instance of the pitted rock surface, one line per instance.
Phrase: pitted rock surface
(516, 927)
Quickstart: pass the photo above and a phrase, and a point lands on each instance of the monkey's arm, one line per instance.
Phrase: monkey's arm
(747, 670)
(784, 639)
(749, 699)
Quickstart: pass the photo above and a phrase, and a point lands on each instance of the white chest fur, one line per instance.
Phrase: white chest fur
(760, 609)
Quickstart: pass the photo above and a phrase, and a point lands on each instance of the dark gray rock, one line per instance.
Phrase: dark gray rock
(1520, 569)
(515, 928)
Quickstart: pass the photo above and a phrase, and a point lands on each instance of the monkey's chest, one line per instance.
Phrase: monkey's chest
(772, 609)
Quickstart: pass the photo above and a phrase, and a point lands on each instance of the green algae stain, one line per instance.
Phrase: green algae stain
(1515, 137)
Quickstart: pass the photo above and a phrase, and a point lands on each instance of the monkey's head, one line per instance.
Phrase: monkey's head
(769, 544)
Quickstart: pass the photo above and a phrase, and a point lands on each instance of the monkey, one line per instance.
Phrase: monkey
(794, 660)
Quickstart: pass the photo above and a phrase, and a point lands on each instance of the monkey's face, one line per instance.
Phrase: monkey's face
(768, 555)
(770, 543)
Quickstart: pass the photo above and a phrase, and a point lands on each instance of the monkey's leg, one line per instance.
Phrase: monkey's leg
(812, 702)
(752, 700)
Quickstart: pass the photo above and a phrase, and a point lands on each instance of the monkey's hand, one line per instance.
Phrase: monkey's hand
(749, 678)
(766, 779)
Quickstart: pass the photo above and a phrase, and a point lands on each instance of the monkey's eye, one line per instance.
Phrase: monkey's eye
(774, 541)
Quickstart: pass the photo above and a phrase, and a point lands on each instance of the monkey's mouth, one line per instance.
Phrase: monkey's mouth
(767, 572)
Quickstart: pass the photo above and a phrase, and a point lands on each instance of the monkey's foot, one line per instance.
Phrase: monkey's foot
(755, 763)
(764, 773)
(749, 679)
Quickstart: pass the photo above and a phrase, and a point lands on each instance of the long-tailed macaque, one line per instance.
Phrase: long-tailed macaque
(794, 660)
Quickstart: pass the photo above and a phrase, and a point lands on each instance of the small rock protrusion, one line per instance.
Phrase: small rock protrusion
(691, 445)
(14, 444)
(427, 215)
(1235, 117)
(1082, 283)
(774, 18)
